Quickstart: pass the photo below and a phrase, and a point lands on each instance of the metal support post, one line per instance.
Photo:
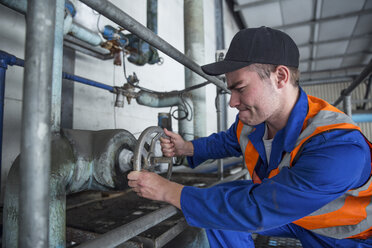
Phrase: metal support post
(347, 105)
(36, 136)
(221, 105)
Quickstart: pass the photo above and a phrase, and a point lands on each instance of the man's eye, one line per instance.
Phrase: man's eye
(240, 89)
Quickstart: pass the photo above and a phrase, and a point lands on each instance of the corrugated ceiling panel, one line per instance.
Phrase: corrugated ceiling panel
(304, 66)
(304, 52)
(351, 60)
(331, 29)
(358, 45)
(364, 24)
(366, 59)
(337, 7)
(328, 64)
(264, 15)
(291, 13)
(333, 48)
(300, 34)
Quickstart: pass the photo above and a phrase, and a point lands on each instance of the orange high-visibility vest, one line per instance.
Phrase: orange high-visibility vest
(349, 216)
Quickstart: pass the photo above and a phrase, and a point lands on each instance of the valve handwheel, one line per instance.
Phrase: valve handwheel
(144, 153)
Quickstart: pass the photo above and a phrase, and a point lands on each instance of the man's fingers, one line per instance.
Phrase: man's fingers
(164, 140)
(170, 134)
(134, 175)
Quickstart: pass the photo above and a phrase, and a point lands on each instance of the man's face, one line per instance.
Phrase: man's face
(257, 100)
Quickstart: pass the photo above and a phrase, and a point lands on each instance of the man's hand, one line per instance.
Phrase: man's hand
(152, 186)
(175, 145)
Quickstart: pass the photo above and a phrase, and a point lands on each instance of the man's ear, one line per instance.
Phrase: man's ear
(282, 75)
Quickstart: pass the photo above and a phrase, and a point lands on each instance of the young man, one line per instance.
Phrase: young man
(309, 164)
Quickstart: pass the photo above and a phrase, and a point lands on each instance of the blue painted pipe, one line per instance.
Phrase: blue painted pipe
(362, 117)
(87, 81)
(8, 59)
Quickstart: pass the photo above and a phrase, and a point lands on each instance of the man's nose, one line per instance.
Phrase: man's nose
(234, 100)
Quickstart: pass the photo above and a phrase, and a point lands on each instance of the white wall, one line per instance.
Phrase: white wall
(94, 108)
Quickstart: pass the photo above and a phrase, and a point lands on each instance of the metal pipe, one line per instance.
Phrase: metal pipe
(152, 15)
(57, 67)
(19, 6)
(366, 71)
(78, 164)
(118, 16)
(221, 106)
(87, 81)
(74, 29)
(347, 105)
(194, 48)
(169, 99)
(121, 234)
(36, 137)
(362, 117)
(2, 99)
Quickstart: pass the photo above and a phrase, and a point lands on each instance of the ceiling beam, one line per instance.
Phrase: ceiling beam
(336, 56)
(354, 67)
(238, 19)
(325, 19)
(238, 7)
(353, 37)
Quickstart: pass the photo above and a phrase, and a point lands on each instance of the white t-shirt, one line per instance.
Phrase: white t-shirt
(267, 143)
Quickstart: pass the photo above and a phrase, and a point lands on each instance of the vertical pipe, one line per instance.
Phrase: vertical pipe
(194, 49)
(2, 96)
(221, 106)
(347, 105)
(36, 137)
(57, 67)
(152, 15)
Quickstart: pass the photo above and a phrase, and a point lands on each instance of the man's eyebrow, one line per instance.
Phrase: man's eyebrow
(233, 86)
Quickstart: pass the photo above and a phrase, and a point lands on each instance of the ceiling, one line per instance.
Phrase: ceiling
(333, 36)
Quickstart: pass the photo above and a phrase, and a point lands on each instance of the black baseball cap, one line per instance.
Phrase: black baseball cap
(256, 45)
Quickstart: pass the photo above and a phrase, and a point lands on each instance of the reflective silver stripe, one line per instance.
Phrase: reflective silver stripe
(243, 140)
(324, 118)
(341, 232)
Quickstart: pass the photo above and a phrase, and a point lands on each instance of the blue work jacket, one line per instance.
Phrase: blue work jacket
(329, 165)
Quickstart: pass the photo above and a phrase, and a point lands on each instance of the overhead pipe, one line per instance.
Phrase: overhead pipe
(35, 135)
(169, 99)
(118, 16)
(366, 71)
(69, 27)
(81, 160)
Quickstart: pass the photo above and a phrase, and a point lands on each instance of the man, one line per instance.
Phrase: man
(309, 164)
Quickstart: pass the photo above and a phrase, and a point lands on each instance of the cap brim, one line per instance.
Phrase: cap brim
(223, 66)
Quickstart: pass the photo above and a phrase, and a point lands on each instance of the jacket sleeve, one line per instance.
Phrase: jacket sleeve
(328, 166)
(218, 145)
